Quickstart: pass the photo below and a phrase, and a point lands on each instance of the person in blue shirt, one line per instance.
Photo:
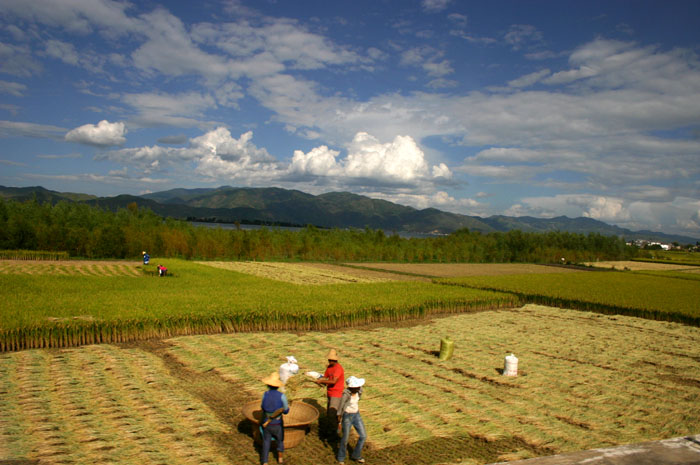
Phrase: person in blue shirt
(146, 258)
(274, 404)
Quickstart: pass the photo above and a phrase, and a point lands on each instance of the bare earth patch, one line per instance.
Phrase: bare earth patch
(642, 266)
(452, 270)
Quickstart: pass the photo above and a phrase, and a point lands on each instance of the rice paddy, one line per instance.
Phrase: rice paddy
(661, 297)
(585, 380)
(200, 299)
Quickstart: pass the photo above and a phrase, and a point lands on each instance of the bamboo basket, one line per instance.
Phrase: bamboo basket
(296, 422)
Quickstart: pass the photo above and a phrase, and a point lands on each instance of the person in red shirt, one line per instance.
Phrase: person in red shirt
(334, 379)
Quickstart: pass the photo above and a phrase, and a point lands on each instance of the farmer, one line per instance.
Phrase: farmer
(349, 416)
(146, 258)
(334, 379)
(273, 405)
(289, 369)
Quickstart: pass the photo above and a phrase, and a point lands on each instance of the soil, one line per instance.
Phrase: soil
(226, 397)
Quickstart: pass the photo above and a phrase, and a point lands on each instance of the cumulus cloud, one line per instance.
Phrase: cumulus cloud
(319, 161)
(215, 155)
(369, 161)
(104, 134)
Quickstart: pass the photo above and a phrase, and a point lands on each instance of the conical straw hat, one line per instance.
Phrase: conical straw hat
(332, 355)
(273, 379)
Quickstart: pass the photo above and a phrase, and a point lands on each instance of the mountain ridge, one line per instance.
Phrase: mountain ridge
(277, 206)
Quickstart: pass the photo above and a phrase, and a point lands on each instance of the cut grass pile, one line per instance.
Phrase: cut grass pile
(101, 404)
(586, 380)
(654, 297)
(44, 310)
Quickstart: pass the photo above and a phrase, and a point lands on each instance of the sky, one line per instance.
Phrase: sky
(520, 108)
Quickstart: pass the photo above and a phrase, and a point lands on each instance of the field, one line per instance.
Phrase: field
(187, 351)
(70, 268)
(586, 380)
(445, 270)
(309, 273)
(200, 299)
(660, 296)
(638, 265)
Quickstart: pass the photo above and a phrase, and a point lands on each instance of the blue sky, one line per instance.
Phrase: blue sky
(540, 108)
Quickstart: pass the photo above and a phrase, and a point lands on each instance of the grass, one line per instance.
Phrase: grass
(654, 297)
(672, 257)
(202, 299)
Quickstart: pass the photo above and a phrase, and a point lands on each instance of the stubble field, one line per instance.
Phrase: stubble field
(586, 380)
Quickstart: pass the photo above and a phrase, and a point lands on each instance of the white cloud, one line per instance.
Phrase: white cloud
(215, 155)
(433, 6)
(529, 79)
(319, 161)
(75, 16)
(63, 51)
(523, 35)
(13, 88)
(181, 110)
(17, 60)
(104, 134)
(400, 160)
(370, 161)
(24, 129)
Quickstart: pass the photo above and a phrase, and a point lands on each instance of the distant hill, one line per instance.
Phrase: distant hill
(277, 206)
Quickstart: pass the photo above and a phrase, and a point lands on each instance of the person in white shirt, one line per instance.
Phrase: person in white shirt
(289, 369)
(349, 417)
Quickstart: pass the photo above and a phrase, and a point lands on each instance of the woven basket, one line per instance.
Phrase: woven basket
(296, 422)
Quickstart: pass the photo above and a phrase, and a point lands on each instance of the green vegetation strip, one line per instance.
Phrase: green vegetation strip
(60, 311)
(652, 297)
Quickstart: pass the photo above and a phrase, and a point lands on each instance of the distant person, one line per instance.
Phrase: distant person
(289, 369)
(334, 379)
(274, 404)
(349, 417)
(146, 258)
(162, 271)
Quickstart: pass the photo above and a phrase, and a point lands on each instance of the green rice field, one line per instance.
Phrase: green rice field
(659, 296)
(50, 309)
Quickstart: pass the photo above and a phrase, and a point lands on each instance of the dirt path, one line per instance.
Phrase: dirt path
(226, 397)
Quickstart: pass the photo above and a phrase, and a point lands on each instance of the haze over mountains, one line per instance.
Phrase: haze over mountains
(331, 210)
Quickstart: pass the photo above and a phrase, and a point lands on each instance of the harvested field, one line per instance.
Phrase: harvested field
(450, 270)
(643, 266)
(71, 268)
(306, 273)
(586, 380)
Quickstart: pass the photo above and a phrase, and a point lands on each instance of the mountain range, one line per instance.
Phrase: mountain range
(284, 207)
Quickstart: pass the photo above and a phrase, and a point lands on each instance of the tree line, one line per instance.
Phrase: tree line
(90, 232)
